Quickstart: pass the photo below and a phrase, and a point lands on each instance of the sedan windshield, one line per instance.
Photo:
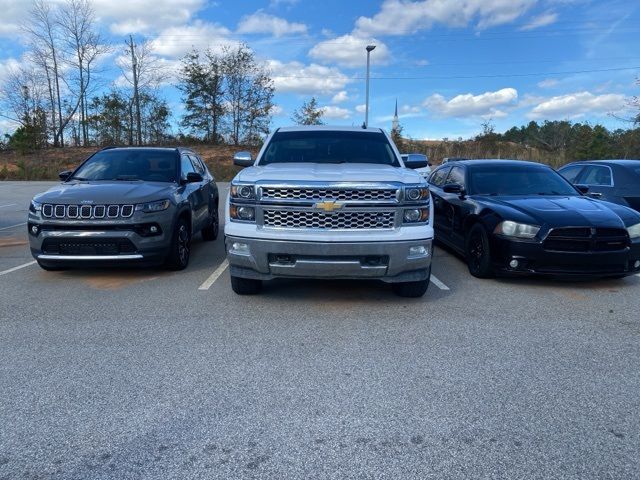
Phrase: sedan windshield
(329, 147)
(136, 164)
(517, 180)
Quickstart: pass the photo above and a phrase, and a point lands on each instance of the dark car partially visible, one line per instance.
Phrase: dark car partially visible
(616, 181)
(515, 218)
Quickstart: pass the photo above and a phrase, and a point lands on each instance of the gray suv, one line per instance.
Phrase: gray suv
(125, 205)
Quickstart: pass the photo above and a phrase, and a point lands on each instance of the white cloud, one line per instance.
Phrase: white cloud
(13, 13)
(468, 105)
(142, 16)
(8, 65)
(548, 83)
(277, 3)
(543, 20)
(277, 111)
(402, 17)
(310, 79)
(349, 50)
(408, 109)
(579, 104)
(261, 22)
(361, 108)
(332, 112)
(174, 42)
(340, 97)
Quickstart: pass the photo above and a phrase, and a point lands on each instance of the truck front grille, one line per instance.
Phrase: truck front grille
(87, 211)
(329, 221)
(368, 194)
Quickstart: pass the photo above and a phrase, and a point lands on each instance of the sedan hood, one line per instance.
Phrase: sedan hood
(561, 211)
(105, 192)
(334, 173)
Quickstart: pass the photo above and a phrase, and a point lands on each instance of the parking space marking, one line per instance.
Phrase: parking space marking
(214, 276)
(637, 274)
(8, 205)
(24, 265)
(13, 226)
(438, 283)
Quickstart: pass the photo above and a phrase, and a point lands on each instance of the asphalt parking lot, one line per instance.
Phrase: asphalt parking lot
(149, 374)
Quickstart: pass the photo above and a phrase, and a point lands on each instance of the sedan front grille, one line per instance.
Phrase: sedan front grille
(369, 194)
(87, 212)
(586, 239)
(329, 221)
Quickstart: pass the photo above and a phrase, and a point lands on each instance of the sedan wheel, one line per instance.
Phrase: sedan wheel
(478, 252)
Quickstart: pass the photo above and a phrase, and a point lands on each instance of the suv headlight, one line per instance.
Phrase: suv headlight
(634, 231)
(243, 192)
(35, 206)
(516, 230)
(416, 194)
(151, 207)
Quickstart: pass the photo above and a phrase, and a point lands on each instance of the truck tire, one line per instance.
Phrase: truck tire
(245, 286)
(178, 257)
(210, 232)
(411, 289)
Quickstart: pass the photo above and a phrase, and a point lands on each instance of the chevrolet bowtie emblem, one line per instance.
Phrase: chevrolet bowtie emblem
(329, 206)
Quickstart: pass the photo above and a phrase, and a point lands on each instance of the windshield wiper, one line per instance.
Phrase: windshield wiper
(127, 178)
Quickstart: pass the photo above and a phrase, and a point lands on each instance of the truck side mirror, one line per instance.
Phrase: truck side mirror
(243, 159)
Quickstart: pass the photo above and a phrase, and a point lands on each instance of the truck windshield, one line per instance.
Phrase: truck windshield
(136, 164)
(329, 147)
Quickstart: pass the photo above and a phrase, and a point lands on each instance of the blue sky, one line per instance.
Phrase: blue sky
(451, 65)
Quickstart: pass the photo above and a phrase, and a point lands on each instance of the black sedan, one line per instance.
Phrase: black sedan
(616, 181)
(513, 217)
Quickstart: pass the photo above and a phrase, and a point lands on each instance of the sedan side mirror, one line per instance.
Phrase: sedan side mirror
(453, 188)
(64, 176)
(243, 159)
(194, 177)
(583, 189)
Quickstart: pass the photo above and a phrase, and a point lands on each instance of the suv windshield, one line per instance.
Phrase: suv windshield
(134, 164)
(329, 147)
(517, 180)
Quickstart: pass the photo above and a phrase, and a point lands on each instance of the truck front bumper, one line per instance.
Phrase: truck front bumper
(401, 261)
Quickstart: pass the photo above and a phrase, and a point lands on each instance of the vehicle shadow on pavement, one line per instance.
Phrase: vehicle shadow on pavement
(115, 278)
(612, 284)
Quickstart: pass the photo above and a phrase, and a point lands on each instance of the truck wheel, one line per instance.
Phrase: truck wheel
(245, 286)
(210, 232)
(478, 252)
(178, 257)
(411, 289)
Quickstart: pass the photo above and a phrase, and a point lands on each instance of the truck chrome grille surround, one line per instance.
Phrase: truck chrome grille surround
(345, 220)
(87, 212)
(310, 193)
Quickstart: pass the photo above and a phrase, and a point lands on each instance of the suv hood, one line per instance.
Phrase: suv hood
(334, 173)
(105, 192)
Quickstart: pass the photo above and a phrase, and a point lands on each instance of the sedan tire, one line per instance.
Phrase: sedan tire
(478, 252)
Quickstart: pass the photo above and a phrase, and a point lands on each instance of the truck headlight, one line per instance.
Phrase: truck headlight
(634, 231)
(242, 212)
(415, 215)
(151, 207)
(416, 194)
(516, 230)
(245, 192)
(35, 207)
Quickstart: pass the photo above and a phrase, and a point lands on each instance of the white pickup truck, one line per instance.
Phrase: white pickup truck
(329, 202)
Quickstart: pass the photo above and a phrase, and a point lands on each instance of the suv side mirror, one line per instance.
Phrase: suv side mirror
(415, 160)
(194, 177)
(243, 159)
(583, 189)
(64, 176)
(453, 188)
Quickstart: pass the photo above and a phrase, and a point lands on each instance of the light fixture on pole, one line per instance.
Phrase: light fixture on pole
(370, 48)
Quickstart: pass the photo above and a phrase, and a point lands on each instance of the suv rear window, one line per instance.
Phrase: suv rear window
(135, 164)
(329, 147)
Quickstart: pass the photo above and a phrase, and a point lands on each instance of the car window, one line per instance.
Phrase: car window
(456, 176)
(596, 175)
(571, 173)
(438, 177)
(187, 166)
(512, 179)
(197, 164)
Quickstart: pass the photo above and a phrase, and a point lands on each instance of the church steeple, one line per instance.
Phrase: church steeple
(395, 122)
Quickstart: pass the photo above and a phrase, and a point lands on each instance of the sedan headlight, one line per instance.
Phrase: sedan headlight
(416, 194)
(634, 231)
(151, 207)
(244, 192)
(35, 206)
(516, 230)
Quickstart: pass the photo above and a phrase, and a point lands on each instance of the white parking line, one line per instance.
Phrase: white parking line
(24, 265)
(637, 274)
(13, 226)
(8, 205)
(438, 283)
(214, 276)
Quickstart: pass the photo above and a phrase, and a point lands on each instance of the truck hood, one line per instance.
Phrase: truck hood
(330, 173)
(105, 192)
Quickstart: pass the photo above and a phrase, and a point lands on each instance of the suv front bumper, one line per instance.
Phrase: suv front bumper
(398, 261)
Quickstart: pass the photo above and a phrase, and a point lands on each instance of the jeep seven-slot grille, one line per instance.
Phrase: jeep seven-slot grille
(87, 211)
(333, 221)
(370, 194)
(586, 239)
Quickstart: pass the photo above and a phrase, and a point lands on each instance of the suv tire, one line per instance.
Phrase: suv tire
(210, 232)
(178, 257)
(245, 286)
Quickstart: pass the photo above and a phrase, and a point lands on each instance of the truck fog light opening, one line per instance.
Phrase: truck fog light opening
(239, 248)
(514, 263)
(418, 251)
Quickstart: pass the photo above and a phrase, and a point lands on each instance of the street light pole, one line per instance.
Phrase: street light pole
(370, 48)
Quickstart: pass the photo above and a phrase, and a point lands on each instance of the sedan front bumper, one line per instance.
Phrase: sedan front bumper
(392, 262)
